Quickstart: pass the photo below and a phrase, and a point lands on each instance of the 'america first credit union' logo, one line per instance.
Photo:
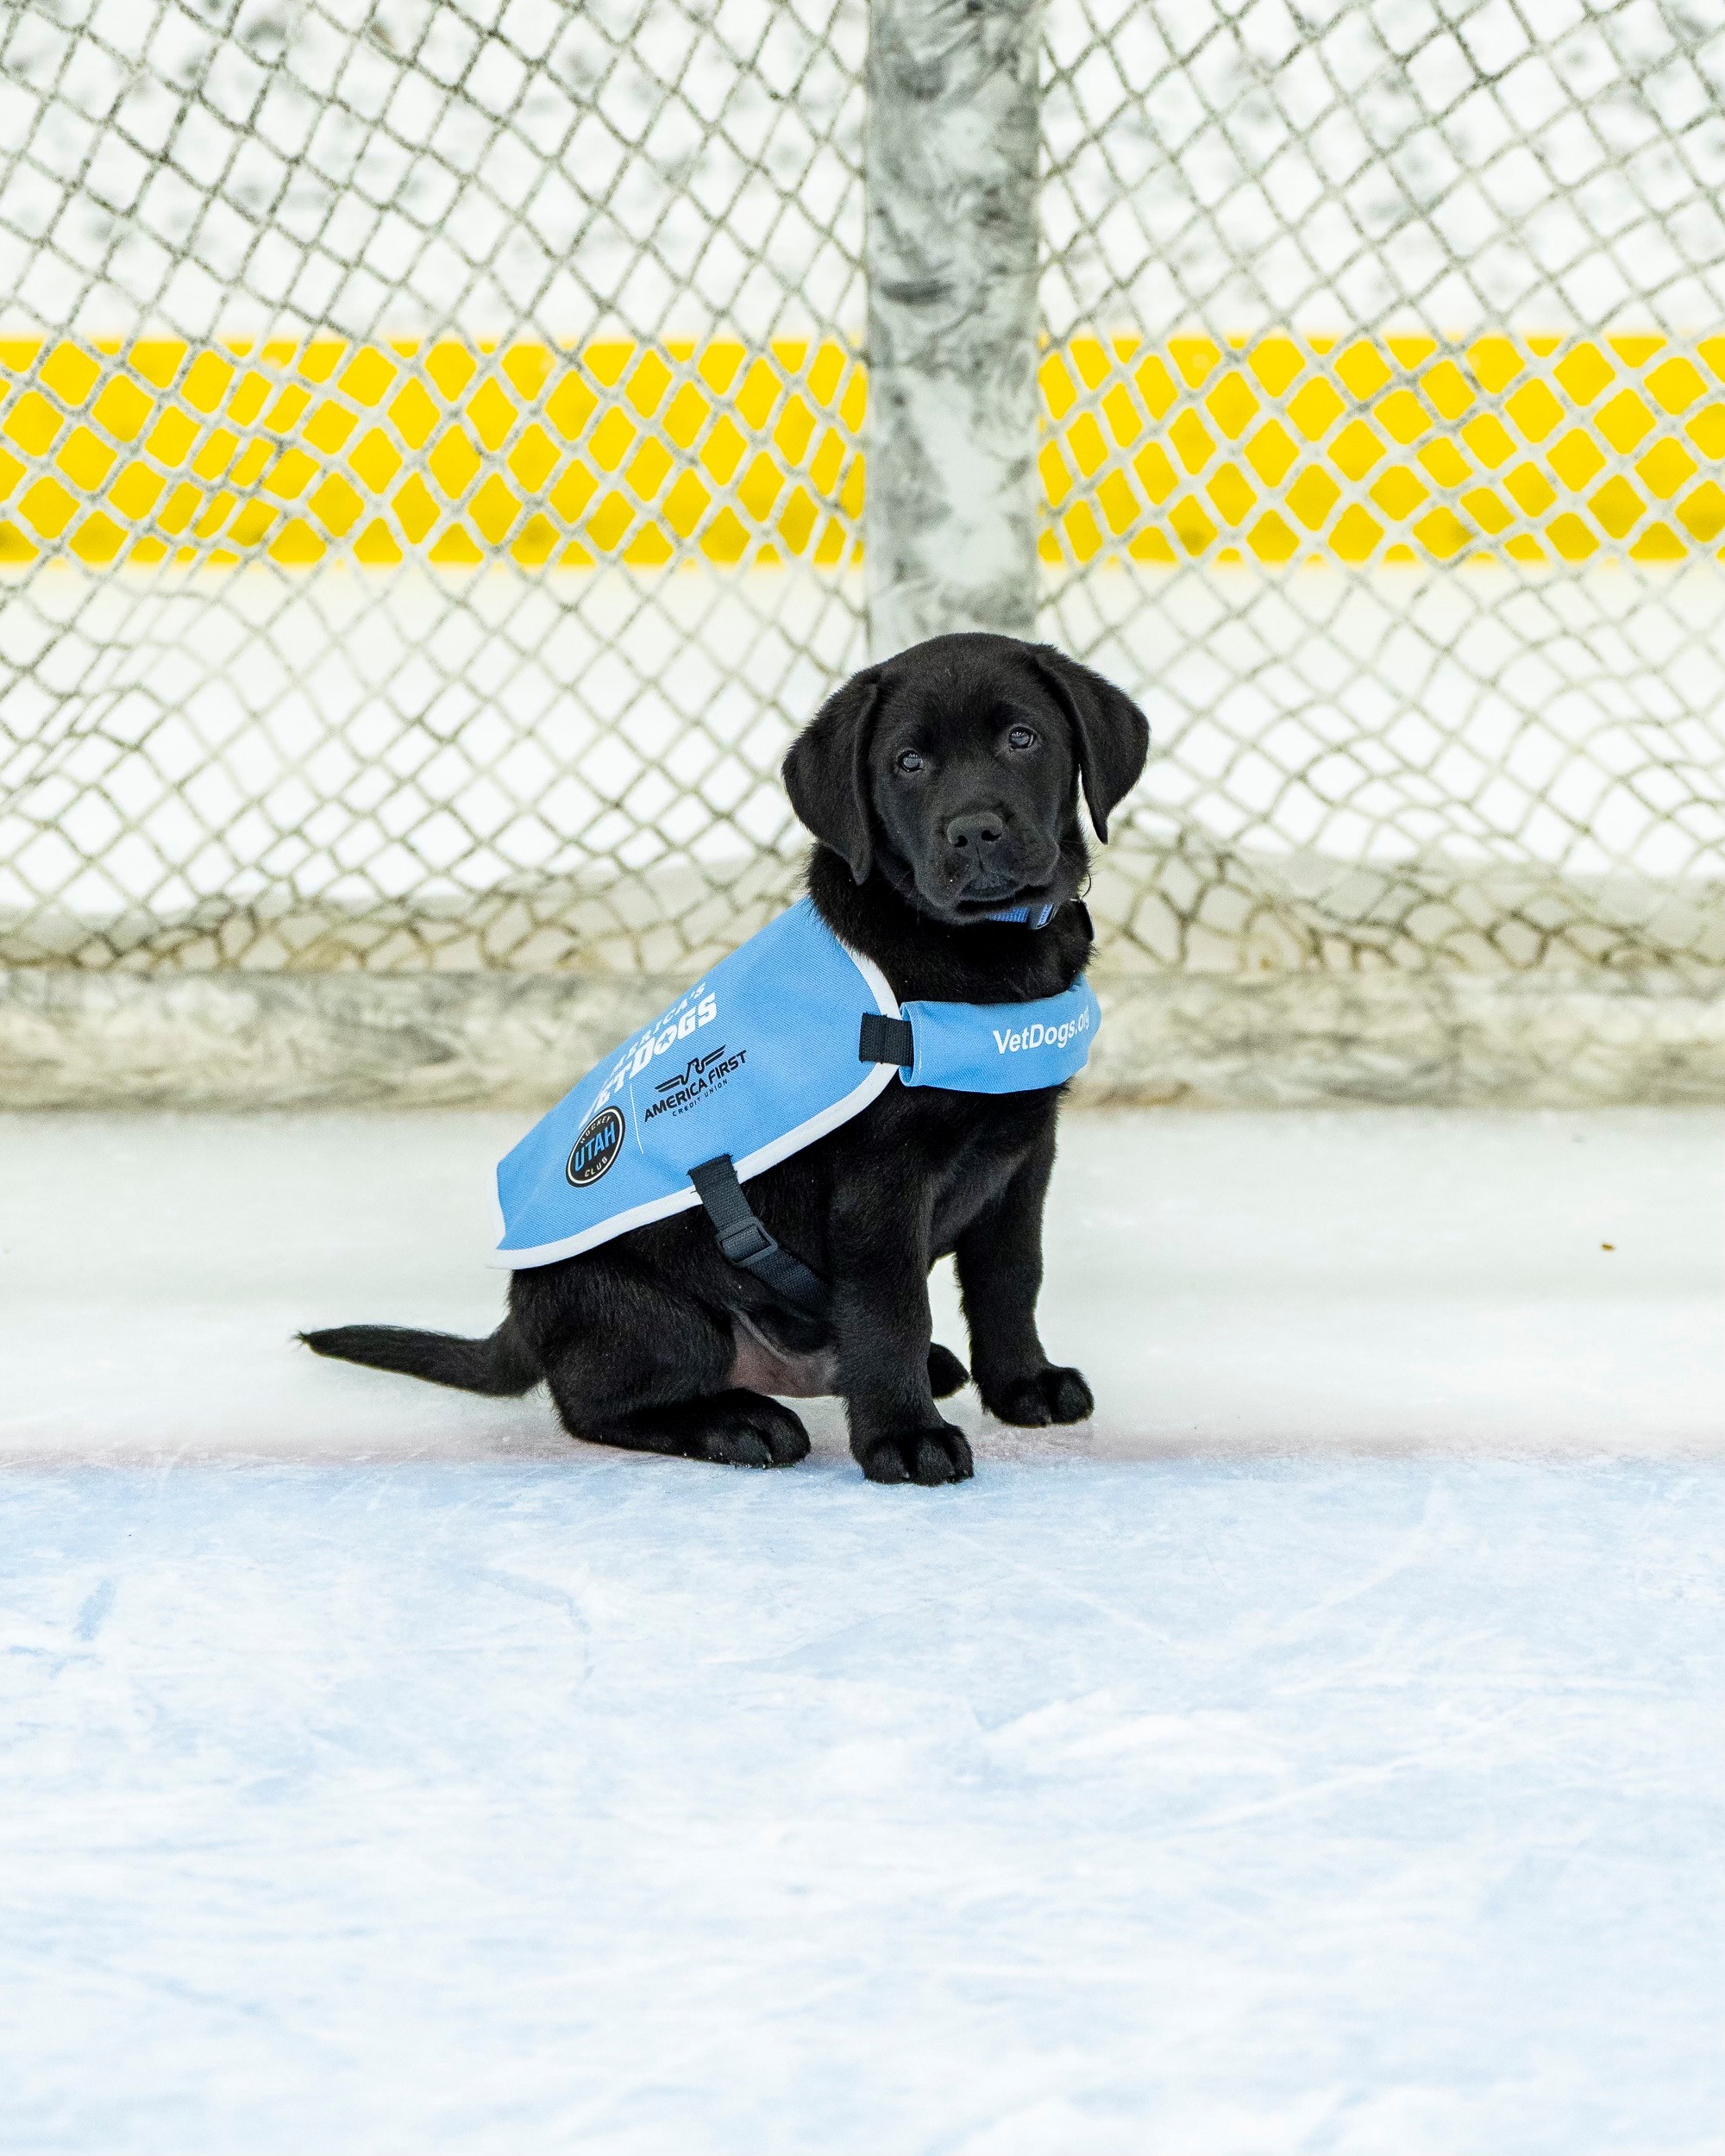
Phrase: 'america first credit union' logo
(698, 1079)
(598, 1146)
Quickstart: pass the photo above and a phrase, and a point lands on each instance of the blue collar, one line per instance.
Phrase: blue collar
(1025, 916)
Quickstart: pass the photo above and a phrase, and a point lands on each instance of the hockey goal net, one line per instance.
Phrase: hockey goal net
(432, 481)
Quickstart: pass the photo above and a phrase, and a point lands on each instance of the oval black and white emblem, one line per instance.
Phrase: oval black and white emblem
(598, 1146)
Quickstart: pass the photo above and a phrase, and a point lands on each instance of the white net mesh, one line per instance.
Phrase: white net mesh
(496, 272)
(1389, 331)
(431, 489)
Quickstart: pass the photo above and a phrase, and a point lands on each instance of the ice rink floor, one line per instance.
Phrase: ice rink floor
(1323, 1751)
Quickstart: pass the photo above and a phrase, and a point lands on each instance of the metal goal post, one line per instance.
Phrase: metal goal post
(447, 446)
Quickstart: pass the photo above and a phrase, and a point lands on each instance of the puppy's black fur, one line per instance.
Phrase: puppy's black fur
(942, 785)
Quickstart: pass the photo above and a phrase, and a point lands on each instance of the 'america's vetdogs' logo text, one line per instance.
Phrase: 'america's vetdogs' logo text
(1041, 1035)
(698, 1008)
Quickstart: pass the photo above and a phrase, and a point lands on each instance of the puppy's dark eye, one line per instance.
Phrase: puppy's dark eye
(907, 761)
(1023, 737)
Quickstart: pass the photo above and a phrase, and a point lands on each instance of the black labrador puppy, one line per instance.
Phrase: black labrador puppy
(943, 786)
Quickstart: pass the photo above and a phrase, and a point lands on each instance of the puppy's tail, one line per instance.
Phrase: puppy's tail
(504, 1366)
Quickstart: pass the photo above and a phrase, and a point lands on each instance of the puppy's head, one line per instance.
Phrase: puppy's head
(955, 769)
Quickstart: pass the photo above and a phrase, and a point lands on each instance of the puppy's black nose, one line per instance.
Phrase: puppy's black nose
(979, 829)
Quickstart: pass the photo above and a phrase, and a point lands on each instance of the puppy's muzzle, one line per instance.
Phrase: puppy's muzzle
(982, 859)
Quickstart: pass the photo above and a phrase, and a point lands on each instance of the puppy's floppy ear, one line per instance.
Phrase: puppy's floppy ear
(1110, 735)
(827, 772)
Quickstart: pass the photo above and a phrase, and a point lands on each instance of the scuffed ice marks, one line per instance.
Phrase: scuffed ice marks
(1118, 1807)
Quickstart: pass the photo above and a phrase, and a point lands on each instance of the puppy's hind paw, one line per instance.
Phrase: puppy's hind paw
(937, 1454)
(744, 1429)
(946, 1373)
(1053, 1395)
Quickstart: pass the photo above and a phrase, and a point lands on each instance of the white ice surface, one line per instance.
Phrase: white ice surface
(1322, 1752)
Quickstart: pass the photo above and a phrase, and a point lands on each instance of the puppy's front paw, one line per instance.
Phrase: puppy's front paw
(937, 1454)
(1053, 1395)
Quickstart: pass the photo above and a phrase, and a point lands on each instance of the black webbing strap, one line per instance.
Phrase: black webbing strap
(886, 1041)
(746, 1242)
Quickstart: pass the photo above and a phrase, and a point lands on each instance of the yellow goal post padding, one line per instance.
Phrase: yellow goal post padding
(1531, 450)
(1274, 450)
(449, 451)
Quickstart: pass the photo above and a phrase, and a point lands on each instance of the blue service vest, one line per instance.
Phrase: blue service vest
(759, 1059)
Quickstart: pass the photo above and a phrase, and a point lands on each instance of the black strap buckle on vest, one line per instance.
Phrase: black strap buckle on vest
(744, 1239)
(886, 1041)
